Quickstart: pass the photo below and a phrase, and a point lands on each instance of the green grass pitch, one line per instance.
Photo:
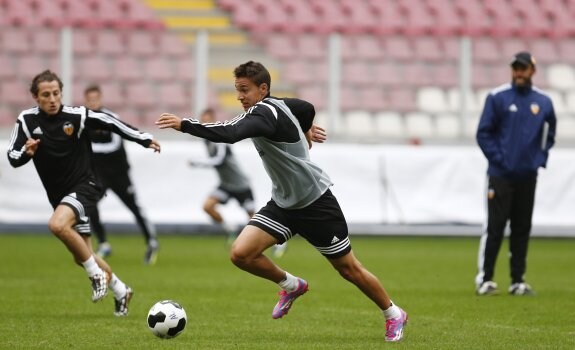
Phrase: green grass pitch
(45, 300)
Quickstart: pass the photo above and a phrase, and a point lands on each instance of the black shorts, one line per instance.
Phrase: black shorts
(83, 199)
(321, 223)
(245, 198)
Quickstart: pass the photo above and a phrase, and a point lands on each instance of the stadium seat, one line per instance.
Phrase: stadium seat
(566, 50)
(419, 21)
(7, 71)
(450, 45)
(447, 20)
(347, 99)
(432, 100)
(127, 68)
(83, 42)
(560, 76)
(15, 41)
(357, 73)
(173, 96)
(359, 17)
(331, 17)
(158, 69)
(302, 19)
(185, 68)
(141, 95)
(391, 20)
(15, 92)
(311, 46)
(428, 48)
(454, 101)
(511, 46)
(447, 126)
(559, 104)
(314, 94)
(388, 74)
(93, 68)
(419, 125)
(445, 75)
(28, 66)
(485, 49)
(389, 124)
(544, 50)
(299, 72)
(372, 99)
(110, 42)
(46, 42)
(141, 43)
(398, 48)
(277, 43)
(172, 45)
(358, 123)
(402, 100)
(368, 47)
(418, 74)
(17, 14)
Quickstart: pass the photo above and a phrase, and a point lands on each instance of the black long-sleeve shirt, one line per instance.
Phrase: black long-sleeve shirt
(63, 157)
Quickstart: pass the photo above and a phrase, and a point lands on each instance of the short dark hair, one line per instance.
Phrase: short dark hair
(46, 75)
(254, 71)
(92, 88)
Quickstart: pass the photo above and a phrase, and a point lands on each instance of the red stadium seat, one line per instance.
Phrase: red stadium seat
(7, 71)
(445, 75)
(398, 48)
(171, 44)
(185, 68)
(315, 94)
(30, 65)
(388, 74)
(110, 43)
(511, 46)
(278, 45)
(174, 96)
(83, 42)
(128, 68)
(159, 69)
(485, 49)
(299, 72)
(15, 93)
(311, 46)
(141, 95)
(418, 74)
(368, 47)
(15, 41)
(357, 73)
(93, 68)
(391, 20)
(141, 43)
(372, 99)
(402, 100)
(428, 48)
(46, 41)
(544, 50)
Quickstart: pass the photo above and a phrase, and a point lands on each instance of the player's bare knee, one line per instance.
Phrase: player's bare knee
(57, 227)
(240, 258)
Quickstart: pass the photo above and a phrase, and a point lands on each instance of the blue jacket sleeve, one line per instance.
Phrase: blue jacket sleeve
(487, 132)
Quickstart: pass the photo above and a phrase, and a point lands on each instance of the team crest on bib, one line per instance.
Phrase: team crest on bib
(534, 108)
(68, 128)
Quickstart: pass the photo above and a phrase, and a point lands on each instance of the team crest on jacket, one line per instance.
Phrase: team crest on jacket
(534, 108)
(68, 128)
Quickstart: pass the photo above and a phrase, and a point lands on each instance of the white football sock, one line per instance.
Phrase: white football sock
(91, 266)
(391, 312)
(117, 286)
(289, 284)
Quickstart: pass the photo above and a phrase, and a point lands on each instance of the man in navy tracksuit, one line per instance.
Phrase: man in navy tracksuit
(515, 133)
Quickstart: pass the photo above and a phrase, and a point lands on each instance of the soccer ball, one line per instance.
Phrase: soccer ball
(167, 319)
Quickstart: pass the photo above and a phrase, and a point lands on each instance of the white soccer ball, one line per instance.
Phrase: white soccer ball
(167, 319)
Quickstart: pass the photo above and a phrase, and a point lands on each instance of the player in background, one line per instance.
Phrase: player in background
(515, 133)
(282, 131)
(112, 170)
(233, 183)
(55, 138)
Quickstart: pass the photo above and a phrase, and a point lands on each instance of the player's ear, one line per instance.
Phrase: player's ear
(264, 89)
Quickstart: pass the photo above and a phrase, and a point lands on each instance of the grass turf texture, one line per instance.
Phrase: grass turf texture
(46, 299)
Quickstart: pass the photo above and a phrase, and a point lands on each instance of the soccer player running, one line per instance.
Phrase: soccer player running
(112, 170)
(233, 183)
(54, 136)
(302, 203)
